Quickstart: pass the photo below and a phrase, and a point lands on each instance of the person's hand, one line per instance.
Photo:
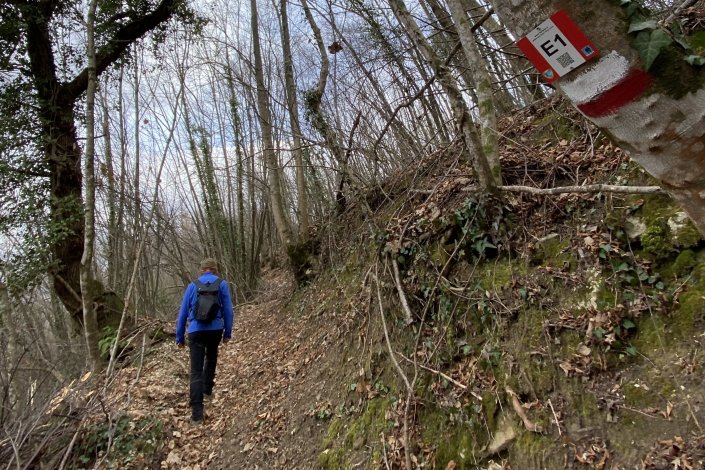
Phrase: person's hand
(226, 340)
(180, 345)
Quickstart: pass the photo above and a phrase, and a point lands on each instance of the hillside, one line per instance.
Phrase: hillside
(543, 332)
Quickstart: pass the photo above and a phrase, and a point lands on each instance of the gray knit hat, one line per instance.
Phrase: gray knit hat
(209, 263)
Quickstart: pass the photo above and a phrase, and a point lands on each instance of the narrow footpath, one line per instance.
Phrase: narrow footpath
(270, 380)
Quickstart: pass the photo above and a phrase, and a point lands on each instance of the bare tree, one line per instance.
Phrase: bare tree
(90, 320)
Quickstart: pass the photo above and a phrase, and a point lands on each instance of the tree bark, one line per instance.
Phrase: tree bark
(265, 121)
(317, 117)
(91, 331)
(659, 115)
(292, 104)
(483, 88)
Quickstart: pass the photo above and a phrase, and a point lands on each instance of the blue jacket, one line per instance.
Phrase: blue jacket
(224, 320)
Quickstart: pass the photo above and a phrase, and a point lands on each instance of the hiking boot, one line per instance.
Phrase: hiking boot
(196, 421)
(197, 414)
(207, 397)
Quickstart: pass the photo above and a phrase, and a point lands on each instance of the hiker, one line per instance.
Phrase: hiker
(209, 311)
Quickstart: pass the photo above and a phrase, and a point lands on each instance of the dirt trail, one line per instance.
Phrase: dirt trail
(269, 380)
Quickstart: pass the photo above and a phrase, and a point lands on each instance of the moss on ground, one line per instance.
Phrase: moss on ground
(556, 253)
(345, 435)
(452, 439)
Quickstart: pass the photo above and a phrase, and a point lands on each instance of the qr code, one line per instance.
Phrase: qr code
(565, 60)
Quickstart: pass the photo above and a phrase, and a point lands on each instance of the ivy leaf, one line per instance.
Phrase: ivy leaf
(631, 9)
(649, 45)
(679, 37)
(642, 25)
(697, 60)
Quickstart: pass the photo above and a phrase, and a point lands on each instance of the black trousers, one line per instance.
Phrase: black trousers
(204, 358)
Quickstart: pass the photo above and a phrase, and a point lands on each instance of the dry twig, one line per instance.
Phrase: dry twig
(448, 378)
(555, 417)
(409, 388)
(516, 404)
(402, 297)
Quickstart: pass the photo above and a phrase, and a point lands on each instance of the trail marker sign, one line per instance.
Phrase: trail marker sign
(557, 46)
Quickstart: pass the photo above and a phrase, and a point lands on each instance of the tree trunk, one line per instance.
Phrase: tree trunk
(292, 104)
(90, 320)
(243, 257)
(658, 115)
(111, 193)
(56, 101)
(318, 119)
(265, 121)
(483, 88)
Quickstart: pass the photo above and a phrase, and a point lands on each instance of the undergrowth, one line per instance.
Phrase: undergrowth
(531, 300)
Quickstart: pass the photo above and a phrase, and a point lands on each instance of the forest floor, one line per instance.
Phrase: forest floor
(269, 385)
(563, 325)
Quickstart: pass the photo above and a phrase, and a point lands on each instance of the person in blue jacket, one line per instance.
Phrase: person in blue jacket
(204, 336)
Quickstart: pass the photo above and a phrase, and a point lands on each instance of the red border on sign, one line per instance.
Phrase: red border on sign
(573, 33)
(536, 58)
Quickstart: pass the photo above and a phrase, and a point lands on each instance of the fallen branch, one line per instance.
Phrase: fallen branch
(384, 453)
(69, 449)
(679, 10)
(588, 188)
(516, 404)
(555, 417)
(402, 297)
(441, 374)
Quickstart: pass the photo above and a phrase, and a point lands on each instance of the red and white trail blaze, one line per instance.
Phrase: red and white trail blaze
(607, 86)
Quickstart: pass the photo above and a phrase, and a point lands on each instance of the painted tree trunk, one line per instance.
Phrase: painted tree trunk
(659, 115)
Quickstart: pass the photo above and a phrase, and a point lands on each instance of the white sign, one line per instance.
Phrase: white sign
(552, 44)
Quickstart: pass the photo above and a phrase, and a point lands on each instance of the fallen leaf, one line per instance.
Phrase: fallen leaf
(173, 458)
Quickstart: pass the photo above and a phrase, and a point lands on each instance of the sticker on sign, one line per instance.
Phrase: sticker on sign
(557, 46)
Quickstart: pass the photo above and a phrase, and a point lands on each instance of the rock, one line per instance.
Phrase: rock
(634, 227)
(677, 222)
(503, 436)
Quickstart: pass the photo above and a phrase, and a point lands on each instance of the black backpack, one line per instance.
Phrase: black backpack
(207, 304)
